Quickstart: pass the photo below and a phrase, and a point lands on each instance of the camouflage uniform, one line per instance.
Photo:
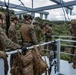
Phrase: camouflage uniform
(38, 31)
(28, 36)
(48, 35)
(6, 42)
(12, 34)
(73, 32)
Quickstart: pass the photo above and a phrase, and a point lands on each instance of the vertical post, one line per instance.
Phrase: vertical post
(32, 4)
(9, 64)
(46, 16)
(41, 15)
(22, 16)
(58, 56)
(33, 13)
(1, 66)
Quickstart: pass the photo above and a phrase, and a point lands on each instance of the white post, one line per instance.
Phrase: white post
(58, 56)
(41, 15)
(9, 64)
(1, 66)
(46, 17)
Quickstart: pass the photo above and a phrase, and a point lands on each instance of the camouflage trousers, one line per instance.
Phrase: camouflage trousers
(47, 39)
(13, 59)
(14, 65)
(22, 64)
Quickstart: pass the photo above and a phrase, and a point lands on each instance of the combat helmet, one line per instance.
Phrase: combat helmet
(45, 23)
(35, 22)
(14, 18)
(73, 22)
(27, 16)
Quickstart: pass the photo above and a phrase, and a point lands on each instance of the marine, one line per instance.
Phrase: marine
(28, 39)
(47, 30)
(27, 31)
(38, 31)
(73, 50)
(6, 42)
(12, 34)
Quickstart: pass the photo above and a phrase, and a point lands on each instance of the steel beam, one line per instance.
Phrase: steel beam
(41, 16)
(22, 12)
(70, 3)
(14, 6)
(40, 9)
(61, 1)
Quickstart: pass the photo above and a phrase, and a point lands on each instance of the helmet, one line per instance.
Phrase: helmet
(73, 22)
(14, 18)
(45, 23)
(27, 16)
(35, 22)
(2, 15)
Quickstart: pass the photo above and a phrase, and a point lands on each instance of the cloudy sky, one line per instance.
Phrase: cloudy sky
(54, 14)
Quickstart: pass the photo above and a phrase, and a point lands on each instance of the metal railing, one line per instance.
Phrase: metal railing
(59, 52)
(58, 41)
(12, 52)
(55, 36)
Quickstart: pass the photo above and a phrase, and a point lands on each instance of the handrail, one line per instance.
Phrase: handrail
(12, 52)
(68, 45)
(63, 36)
(15, 51)
(58, 41)
(67, 40)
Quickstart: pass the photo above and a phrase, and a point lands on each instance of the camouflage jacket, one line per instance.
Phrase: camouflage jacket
(39, 33)
(12, 33)
(6, 42)
(47, 31)
(28, 33)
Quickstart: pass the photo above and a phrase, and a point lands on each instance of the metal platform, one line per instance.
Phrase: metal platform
(65, 68)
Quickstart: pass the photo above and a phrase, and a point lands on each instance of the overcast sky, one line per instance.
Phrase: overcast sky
(54, 14)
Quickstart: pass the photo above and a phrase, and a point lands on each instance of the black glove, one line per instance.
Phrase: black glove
(24, 50)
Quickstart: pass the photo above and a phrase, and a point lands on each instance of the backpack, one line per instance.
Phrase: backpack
(40, 65)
